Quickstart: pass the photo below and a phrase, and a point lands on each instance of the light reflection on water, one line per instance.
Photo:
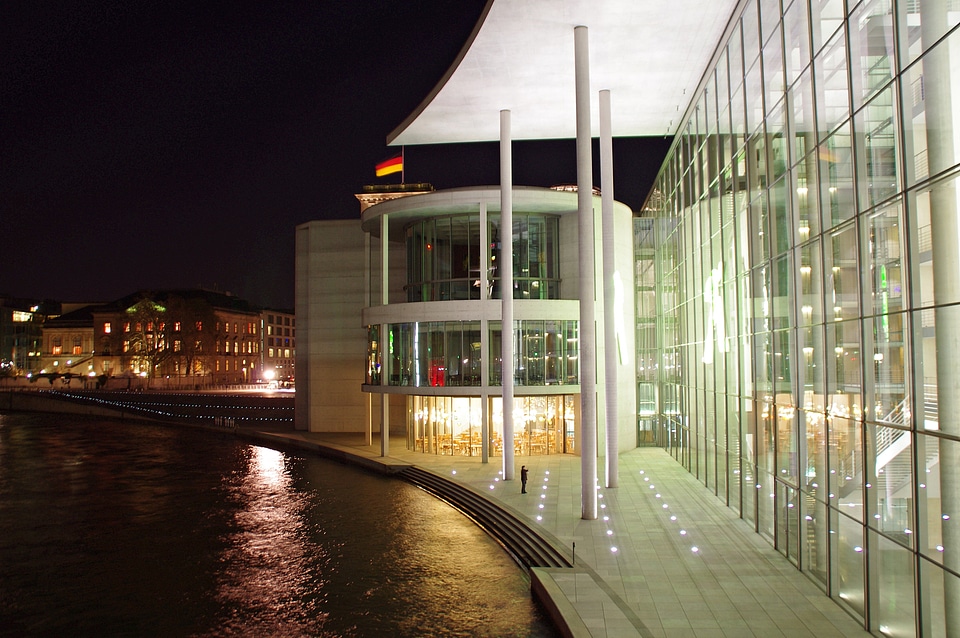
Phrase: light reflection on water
(111, 529)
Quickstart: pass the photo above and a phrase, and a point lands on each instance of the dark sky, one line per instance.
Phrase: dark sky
(176, 144)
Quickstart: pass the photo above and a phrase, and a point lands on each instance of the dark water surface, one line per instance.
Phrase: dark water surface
(111, 529)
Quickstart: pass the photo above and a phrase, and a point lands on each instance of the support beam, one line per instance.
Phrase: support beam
(506, 290)
(610, 346)
(384, 260)
(384, 424)
(588, 341)
(368, 434)
(484, 249)
(385, 368)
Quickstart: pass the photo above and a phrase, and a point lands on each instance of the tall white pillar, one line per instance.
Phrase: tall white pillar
(384, 260)
(588, 341)
(368, 434)
(368, 301)
(610, 349)
(506, 290)
(384, 424)
(484, 281)
(385, 367)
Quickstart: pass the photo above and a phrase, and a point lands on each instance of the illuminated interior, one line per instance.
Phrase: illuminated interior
(452, 425)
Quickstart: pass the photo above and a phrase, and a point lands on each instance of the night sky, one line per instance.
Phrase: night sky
(174, 144)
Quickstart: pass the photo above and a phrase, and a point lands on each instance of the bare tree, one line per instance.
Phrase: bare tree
(192, 331)
(146, 341)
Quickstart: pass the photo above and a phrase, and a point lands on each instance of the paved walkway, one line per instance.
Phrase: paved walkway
(664, 559)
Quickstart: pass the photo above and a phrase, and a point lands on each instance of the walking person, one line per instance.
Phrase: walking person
(523, 479)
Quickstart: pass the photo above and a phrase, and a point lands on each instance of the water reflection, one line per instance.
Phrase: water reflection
(112, 529)
(268, 564)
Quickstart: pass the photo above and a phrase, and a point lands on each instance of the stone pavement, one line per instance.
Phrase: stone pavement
(665, 558)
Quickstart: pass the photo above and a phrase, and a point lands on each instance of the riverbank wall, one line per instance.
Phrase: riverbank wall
(48, 403)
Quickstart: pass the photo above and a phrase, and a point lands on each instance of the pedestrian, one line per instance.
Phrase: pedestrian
(523, 479)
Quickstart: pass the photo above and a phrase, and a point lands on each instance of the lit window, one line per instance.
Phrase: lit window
(199, 326)
(176, 326)
(107, 328)
(126, 326)
(270, 352)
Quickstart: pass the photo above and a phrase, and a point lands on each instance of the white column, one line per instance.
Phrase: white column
(384, 424)
(384, 300)
(484, 277)
(588, 342)
(368, 434)
(610, 348)
(506, 290)
(384, 260)
(368, 301)
(367, 273)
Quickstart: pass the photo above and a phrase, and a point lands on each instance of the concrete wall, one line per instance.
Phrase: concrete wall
(331, 340)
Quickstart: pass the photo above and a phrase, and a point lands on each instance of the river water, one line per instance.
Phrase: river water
(112, 529)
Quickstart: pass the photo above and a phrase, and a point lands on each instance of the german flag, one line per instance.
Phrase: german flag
(392, 165)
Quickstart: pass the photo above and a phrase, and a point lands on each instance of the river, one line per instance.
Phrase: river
(118, 529)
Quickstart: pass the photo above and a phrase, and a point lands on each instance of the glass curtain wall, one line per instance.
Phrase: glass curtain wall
(449, 353)
(453, 425)
(808, 281)
(546, 352)
(444, 258)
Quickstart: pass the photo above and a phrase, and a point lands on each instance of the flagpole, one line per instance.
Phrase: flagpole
(403, 167)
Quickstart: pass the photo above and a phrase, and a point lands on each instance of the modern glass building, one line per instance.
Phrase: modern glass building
(433, 319)
(801, 341)
(796, 268)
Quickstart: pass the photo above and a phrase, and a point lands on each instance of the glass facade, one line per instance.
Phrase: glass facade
(448, 370)
(450, 353)
(444, 257)
(798, 297)
(453, 425)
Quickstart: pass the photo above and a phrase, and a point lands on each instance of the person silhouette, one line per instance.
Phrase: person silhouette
(523, 479)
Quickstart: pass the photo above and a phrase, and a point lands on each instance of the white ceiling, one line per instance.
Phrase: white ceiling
(649, 54)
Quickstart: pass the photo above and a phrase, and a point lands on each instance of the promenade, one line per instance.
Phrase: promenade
(664, 559)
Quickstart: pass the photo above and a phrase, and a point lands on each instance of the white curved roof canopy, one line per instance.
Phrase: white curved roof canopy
(650, 54)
